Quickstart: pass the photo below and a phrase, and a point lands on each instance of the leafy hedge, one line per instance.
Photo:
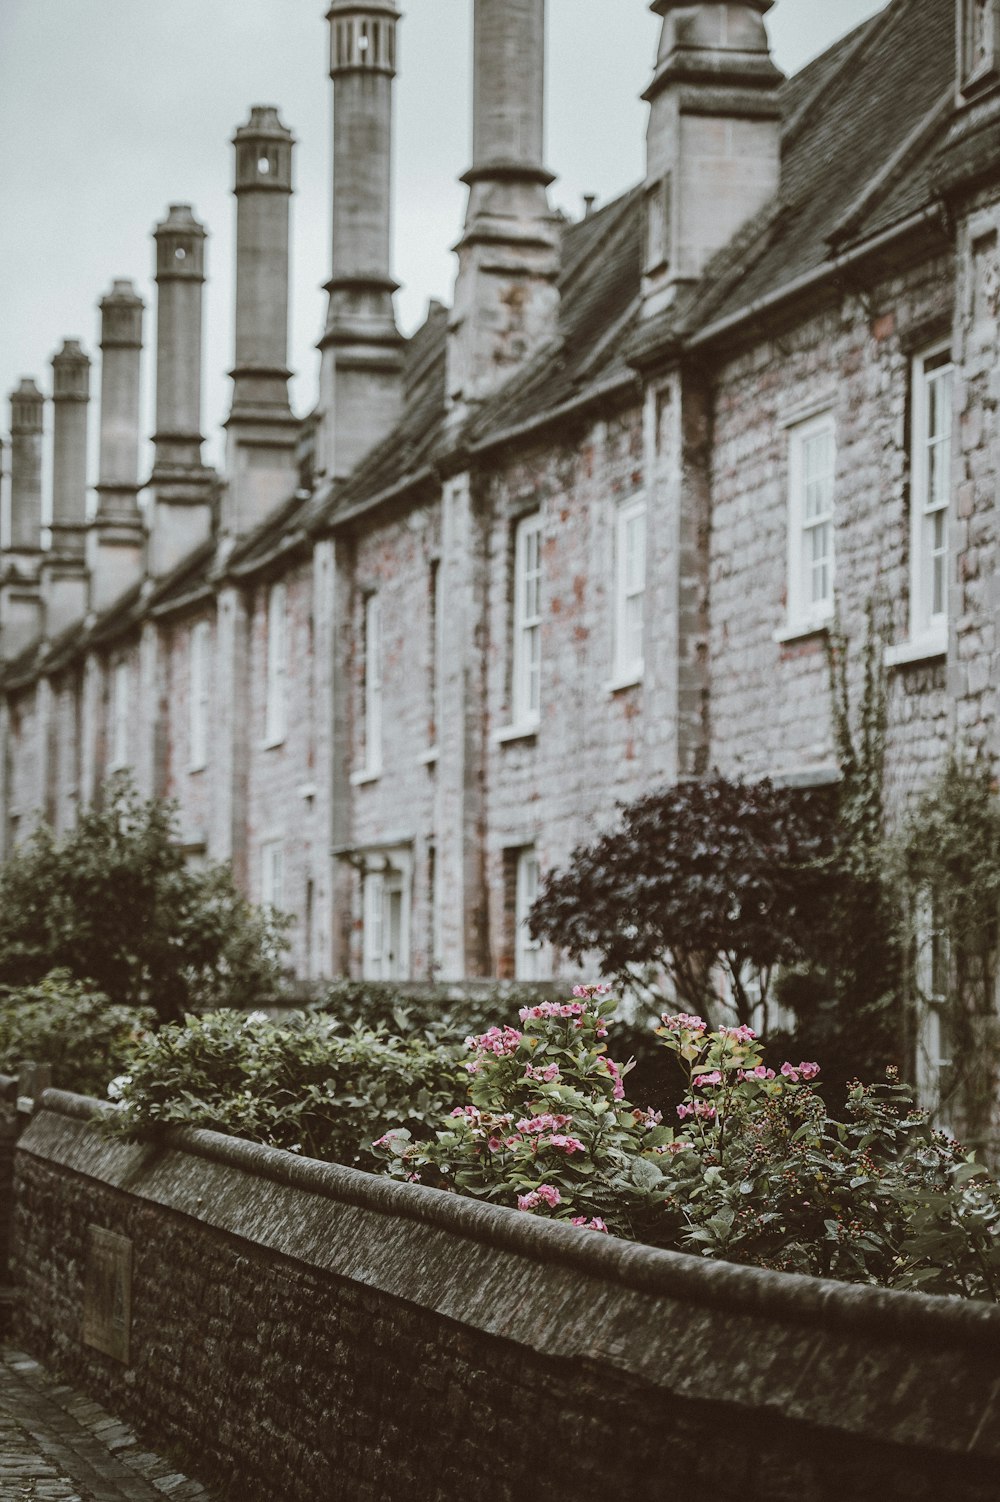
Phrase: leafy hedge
(750, 1167)
(75, 1029)
(301, 1084)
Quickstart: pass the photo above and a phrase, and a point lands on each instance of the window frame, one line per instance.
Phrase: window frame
(932, 1059)
(378, 889)
(627, 669)
(805, 614)
(925, 624)
(272, 875)
(276, 671)
(372, 685)
(527, 951)
(199, 694)
(119, 748)
(526, 665)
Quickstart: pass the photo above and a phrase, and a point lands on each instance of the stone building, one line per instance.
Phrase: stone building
(583, 533)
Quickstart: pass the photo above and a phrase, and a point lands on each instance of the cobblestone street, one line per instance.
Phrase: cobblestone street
(57, 1446)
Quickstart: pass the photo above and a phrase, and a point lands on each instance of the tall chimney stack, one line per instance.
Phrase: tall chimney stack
(70, 401)
(26, 407)
(361, 374)
(261, 430)
(116, 535)
(20, 603)
(713, 150)
(506, 297)
(181, 485)
(64, 573)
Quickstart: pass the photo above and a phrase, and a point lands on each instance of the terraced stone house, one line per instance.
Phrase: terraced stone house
(584, 533)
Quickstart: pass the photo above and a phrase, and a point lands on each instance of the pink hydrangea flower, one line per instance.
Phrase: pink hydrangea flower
(585, 991)
(546, 1076)
(809, 1071)
(760, 1073)
(565, 1144)
(700, 1108)
(616, 1074)
(684, 1022)
(597, 1224)
(544, 1123)
(742, 1034)
(714, 1078)
(790, 1072)
(499, 1041)
(545, 1194)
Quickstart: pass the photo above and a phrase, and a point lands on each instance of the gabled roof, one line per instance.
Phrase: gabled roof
(863, 125)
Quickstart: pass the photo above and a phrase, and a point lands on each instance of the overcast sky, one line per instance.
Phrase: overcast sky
(111, 109)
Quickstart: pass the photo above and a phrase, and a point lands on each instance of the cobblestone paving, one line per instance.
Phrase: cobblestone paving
(58, 1446)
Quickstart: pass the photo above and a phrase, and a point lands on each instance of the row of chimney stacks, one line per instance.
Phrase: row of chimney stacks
(714, 72)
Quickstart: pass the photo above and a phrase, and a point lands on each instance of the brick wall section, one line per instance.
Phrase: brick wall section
(594, 744)
(973, 664)
(279, 805)
(309, 1331)
(770, 701)
(395, 560)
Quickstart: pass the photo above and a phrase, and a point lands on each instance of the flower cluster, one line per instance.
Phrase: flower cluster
(683, 1022)
(545, 1194)
(595, 1224)
(577, 1010)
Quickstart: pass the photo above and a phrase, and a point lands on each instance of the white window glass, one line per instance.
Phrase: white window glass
(934, 1063)
(198, 695)
(373, 683)
(527, 621)
(931, 492)
(277, 630)
(272, 874)
(812, 469)
(119, 716)
(386, 925)
(630, 588)
(527, 951)
(436, 652)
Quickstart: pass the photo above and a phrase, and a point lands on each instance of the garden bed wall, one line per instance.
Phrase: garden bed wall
(306, 1331)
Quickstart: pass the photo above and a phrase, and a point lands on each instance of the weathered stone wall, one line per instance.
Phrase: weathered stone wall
(308, 1331)
(396, 559)
(770, 700)
(281, 779)
(191, 787)
(595, 742)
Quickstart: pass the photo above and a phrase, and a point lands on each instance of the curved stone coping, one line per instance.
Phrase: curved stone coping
(907, 1318)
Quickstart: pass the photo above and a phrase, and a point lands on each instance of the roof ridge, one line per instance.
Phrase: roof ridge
(615, 210)
(853, 44)
(925, 128)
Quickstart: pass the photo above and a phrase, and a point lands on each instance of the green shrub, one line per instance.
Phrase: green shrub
(115, 903)
(85, 1038)
(433, 1012)
(752, 1169)
(300, 1085)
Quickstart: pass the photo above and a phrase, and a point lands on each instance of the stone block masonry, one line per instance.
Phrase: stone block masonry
(311, 1332)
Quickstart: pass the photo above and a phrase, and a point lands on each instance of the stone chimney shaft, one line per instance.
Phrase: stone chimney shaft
(70, 402)
(26, 408)
(361, 376)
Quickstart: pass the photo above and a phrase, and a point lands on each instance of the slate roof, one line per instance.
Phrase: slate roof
(862, 125)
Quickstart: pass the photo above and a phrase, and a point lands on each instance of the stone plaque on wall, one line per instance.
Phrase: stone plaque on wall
(107, 1293)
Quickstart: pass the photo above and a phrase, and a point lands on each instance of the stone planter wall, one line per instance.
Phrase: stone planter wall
(306, 1331)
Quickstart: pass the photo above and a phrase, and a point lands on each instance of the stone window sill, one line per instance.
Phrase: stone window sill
(801, 631)
(629, 679)
(428, 758)
(195, 767)
(272, 742)
(918, 649)
(527, 731)
(364, 776)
